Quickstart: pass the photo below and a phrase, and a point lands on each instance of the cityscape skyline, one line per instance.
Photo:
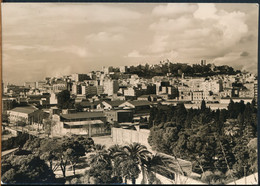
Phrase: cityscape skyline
(101, 70)
(92, 35)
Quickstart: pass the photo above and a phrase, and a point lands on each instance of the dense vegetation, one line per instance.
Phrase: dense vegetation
(176, 69)
(26, 168)
(117, 164)
(38, 159)
(214, 141)
(14, 142)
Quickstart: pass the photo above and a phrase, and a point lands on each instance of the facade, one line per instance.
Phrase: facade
(79, 77)
(90, 90)
(30, 84)
(59, 87)
(76, 89)
(138, 106)
(108, 105)
(81, 123)
(119, 116)
(27, 114)
(110, 87)
(7, 104)
(198, 96)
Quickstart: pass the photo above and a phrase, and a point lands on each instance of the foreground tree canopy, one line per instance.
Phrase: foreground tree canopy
(215, 141)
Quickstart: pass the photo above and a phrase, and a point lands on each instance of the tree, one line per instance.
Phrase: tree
(133, 156)
(22, 122)
(203, 106)
(48, 125)
(69, 151)
(27, 169)
(5, 117)
(101, 166)
(157, 164)
(64, 100)
(79, 107)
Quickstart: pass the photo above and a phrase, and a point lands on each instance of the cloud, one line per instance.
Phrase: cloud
(248, 64)
(208, 32)
(64, 12)
(134, 54)
(179, 24)
(174, 9)
(76, 50)
(104, 37)
(206, 11)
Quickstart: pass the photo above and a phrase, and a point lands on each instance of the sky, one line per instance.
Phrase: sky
(53, 39)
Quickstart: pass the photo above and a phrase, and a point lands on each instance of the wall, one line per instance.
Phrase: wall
(122, 136)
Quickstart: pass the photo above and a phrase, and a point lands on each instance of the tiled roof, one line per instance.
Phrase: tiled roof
(88, 104)
(83, 115)
(26, 110)
(140, 102)
(115, 103)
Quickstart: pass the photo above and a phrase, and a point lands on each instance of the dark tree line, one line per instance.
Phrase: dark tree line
(176, 69)
(212, 140)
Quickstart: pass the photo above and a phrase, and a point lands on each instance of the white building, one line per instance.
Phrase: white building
(110, 87)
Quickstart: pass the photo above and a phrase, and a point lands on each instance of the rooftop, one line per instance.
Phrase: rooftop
(83, 115)
(26, 110)
(139, 102)
(115, 103)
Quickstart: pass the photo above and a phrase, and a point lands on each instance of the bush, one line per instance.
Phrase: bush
(6, 132)
(14, 142)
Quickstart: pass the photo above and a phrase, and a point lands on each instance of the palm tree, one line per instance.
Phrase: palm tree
(158, 163)
(113, 151)
(132, 156)
(101, 165)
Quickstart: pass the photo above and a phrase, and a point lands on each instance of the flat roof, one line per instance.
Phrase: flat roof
(83, 115)
(91, 122)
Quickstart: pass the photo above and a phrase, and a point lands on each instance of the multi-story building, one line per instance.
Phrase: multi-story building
(91, 90)
(8, 104)
(110, 87)
(198, 96)
(255, 90)
(30, 84)
(119, 116)
(40, 84)
(107, 70)
(58, 87)
(214, 86)
(76, 89)
(80, 77)
(227, 92)
(28, 114)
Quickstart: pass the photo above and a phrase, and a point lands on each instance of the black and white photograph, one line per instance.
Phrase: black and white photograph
(129, 93)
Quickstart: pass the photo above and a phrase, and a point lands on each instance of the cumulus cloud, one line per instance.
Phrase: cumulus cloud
(206, 11)
(174, 9)
(208, 32)
(94, 35)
